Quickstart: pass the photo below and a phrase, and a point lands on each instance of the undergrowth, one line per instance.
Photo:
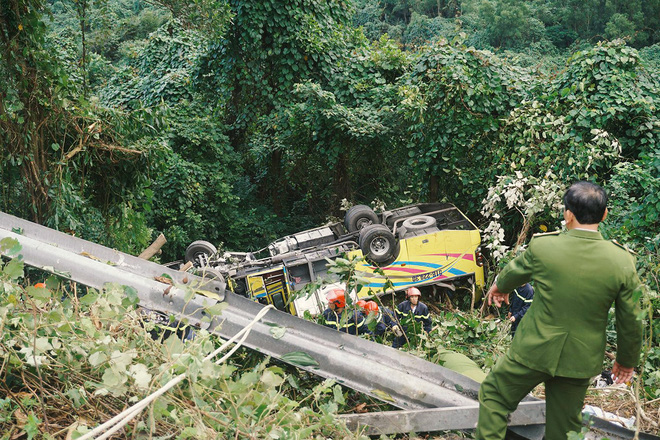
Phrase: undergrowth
(70, 362)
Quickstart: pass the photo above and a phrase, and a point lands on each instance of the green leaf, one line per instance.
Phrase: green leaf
(277, 331)
(112, 378)
(216, 309)
(41, 345)
(131, 298)
(270, 379)
(97, 358)
(10, 246)
(39, 293)
(338, 395)
(65, 328)
(88, 299)
(173, 345)
(140, 375)
(300, 359)
(382, 395)
(31, 427)
(122, 359)
(77, 397)
(13, 269)
(188, 293)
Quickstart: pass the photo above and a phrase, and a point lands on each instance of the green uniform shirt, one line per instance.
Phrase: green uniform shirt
(577, 277)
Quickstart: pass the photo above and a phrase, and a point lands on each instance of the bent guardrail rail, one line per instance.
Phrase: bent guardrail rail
(382, 372)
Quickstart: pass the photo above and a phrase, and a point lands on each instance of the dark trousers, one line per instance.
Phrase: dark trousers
(509, 382)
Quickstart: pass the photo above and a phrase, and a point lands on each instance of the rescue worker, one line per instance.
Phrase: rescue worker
(413, 308)
(336, 305)
(384, 319)
(521, 299)
(578, 276)
(166, 327)
(356, 324)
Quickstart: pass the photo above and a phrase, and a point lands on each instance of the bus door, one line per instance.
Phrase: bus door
(271, 288)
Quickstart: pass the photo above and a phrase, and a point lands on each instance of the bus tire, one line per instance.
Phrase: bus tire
(210, 274)
(200, 248)
(419, 222)
(378, 244)
(358, 217)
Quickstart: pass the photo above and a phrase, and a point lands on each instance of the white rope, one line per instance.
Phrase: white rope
(121, 419)
(127, 418)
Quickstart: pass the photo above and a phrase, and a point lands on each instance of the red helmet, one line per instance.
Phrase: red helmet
(371, 307)
(337, 298)
(413, 291)
(362, 303)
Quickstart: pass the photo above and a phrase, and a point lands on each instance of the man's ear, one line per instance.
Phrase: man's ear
(604, 215)
(568, 216)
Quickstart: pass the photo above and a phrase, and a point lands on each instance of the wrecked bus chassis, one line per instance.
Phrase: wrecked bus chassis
(425, 244)
(418, 387)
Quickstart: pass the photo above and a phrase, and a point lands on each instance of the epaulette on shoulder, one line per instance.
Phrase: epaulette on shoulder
(624, 247)
(545, 234)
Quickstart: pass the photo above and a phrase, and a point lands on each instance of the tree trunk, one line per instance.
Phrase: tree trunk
(82, 15)
(275, 181)
(24, 134)
(341, 179)
(433, 188)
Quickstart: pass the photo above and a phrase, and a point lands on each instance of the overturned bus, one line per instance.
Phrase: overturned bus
(417, 245)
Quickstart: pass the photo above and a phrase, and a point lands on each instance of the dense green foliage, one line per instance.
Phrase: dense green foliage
(251, 121)
(240, 121)
(542, 25)
(66, 354)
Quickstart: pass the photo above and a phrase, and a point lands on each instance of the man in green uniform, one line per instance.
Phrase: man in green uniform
(577, 277)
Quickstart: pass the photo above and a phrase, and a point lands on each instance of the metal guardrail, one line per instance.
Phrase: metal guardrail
(390, 375)
(421, 420)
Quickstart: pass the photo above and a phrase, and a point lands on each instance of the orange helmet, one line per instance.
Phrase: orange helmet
(371, 307)
(40, 285)
(413, 291)
(337, 298)
(362, 303)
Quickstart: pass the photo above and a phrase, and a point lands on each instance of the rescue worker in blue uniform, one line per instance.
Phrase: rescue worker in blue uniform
(355, 324)
(449, 359)
(521, 299)
(384, 318)
(561, 342)
(165, 327)
(412, 307)
(336, 305)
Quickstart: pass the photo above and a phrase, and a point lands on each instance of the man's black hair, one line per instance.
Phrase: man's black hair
(587, 201)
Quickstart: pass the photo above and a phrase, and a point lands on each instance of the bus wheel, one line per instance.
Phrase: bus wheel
(358, 217)
(199, 252)
(210, 274)
(378, 244)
